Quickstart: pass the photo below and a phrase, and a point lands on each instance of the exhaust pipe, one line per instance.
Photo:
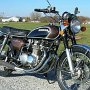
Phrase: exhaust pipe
(35, 70)
(10, 66)
(6, 64)
(13, 67)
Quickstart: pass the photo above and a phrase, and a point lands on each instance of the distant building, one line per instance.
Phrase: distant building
(5, 20)
(35, 21)
(86, 22)
(12, 19)
(23, 20)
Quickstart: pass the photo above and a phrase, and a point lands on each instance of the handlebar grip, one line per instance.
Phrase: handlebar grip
(37, 10)
(42, 10)
(54, 12)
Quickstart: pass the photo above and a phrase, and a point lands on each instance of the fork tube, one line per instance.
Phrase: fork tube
(69, 60)
(68, 54)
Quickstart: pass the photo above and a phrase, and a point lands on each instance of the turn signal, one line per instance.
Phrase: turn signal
(83, 28)
(61, 32)
(65, 22)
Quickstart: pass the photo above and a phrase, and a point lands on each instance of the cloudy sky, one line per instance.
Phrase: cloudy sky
(25, 7)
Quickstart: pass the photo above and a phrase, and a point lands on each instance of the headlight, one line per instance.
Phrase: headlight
(75, 25)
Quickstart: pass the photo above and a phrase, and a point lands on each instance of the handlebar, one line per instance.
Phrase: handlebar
(50, 10)
(42, 10)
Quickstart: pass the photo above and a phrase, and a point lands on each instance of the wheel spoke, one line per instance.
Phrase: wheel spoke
(82, 72)
(67, 72)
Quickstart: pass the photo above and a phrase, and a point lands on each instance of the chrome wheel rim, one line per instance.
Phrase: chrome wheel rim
(81, 80)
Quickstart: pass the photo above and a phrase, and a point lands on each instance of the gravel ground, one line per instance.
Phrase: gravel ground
(23, 81)
(20, 81)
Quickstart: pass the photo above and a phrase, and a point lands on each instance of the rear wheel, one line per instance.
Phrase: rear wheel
(81, 63)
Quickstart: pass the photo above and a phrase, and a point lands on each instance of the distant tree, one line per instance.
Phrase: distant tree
(44, 20)
(84, 19)
(35, 16)
(1, 18)
(27, 19)
(51, 19)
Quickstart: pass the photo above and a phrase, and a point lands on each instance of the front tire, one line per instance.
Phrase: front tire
(81, 63)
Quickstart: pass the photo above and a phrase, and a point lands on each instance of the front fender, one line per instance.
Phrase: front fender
(84, 48)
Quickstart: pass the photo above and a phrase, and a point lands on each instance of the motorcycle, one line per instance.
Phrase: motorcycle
(36, 51)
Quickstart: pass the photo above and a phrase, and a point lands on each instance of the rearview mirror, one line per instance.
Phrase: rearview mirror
(76, 11)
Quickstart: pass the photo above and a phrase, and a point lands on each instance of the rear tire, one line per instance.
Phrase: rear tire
(64, 77)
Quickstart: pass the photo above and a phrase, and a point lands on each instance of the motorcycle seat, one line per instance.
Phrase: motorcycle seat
(14, 31)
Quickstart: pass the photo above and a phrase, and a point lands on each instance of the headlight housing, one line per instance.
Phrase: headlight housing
(75, 25)
(65, 15)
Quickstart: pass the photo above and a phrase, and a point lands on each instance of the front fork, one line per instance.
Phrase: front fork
(65, 41)
(70, 60)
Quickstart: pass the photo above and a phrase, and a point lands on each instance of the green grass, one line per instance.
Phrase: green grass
(85, 36)
(20, 25)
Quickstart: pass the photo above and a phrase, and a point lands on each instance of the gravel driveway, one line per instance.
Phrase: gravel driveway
(20, 81)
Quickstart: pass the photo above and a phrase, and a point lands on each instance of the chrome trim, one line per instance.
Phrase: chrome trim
(69, 60)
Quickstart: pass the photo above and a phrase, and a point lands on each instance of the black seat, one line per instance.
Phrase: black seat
(14, 31)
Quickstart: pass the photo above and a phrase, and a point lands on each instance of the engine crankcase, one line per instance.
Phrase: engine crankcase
(25, 59)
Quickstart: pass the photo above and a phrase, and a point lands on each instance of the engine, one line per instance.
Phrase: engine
(32, 53)
(35, 52)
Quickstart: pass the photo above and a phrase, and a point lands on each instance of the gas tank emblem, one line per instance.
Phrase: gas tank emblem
(43, 30)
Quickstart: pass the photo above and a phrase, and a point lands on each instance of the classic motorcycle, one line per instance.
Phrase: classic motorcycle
(36, 51)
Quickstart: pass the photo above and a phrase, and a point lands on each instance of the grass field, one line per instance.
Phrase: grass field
(85, 36)
(20, 25)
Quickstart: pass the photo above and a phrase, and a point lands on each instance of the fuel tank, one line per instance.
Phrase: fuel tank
(45, 32)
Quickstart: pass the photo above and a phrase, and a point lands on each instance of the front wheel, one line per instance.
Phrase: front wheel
(81, 63)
